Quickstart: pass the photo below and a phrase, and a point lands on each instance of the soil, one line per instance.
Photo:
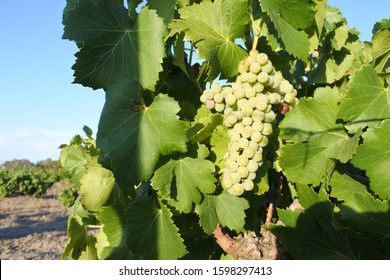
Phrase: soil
(33, 228)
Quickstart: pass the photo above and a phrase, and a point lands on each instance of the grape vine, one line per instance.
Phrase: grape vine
(248, 136)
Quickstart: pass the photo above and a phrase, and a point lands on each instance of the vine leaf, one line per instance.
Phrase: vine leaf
(226, 209)
(381, 49)
(370, 217)
(77, 238)
(151, 232)
(73, 160)
(287, 18)
(193, 177)
(317, 138)
(345, 187)
(114, 47)
(135, 139)
(165, 9)
(142, 230)
(96, 187)
(374, 157)
(367, 102)
(312, 234)
(213, 26)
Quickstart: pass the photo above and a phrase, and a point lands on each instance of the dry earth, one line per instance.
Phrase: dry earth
(33, 228)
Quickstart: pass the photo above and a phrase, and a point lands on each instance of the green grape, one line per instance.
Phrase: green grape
(251, 78)
(216, 87)
(238, 127)
(262, 59)
(236, 189)
(286, 87)
(255, 67)
(289, 97)
(263, 78)
(261, 102)
(251, 176)
(274, 98)
(258, 157)
(250, 92)
(258, 126)
(242, 160)
(253, 145)
(268, 67)
(254, 53)
(277, 80)
(247, 121)
(209, 94)
(249, 152)
(231, 119)
(258, 115)
(230, 99)
(250, 59)
(247, 132)
(239, 93)
(219, 107)
(252, 166)
(247, 110)
(203, 98)
(258, 87)
(270, 116)
(233, 155)
(267, 130)
(248, 184)
(243, 142)
(242, 67)
(226, 90)
(256, 136)
(235, 177)
(264, 141)
(233, 146)
(232, 166)
(218, 98)
(234, 135)
(243, 171)
(226, 181)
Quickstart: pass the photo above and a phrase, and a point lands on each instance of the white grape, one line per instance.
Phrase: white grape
(247, 121)
(262, 58)
(270, 116)
(242, 160)
(256, 136)
(255, 67)
(267, 129)
(263, 78)
(230, 99)
(236, 189)
(248, 184)
(252, 166)
(243, 171)
(219, 107)
(218, 98)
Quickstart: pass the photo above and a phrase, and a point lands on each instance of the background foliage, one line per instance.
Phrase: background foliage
(150, 181)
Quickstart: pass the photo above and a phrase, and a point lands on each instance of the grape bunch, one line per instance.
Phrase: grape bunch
(249, 107)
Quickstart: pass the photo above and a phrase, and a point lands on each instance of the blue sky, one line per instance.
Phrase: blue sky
(40, 108)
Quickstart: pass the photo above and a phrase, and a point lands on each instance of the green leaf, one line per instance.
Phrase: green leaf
(151, 232)
(317, 138)
(370, 217)
(230, 210)
(374, 157)
(96, 187)
(226, 209)
(367, 102)
(381, 50)
(113, 47)
(344, 187)
(135, 139)
(77, 235)
(213, 26)
(208, 218)
(312, 235)
(284, 16)
(219, 142)
(73, 160)
(193, 177)
(165, 9)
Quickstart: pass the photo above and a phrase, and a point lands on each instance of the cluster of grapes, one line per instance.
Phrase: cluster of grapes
(248, 107)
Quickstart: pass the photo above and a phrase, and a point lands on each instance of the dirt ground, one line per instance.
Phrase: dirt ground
(33, 228)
